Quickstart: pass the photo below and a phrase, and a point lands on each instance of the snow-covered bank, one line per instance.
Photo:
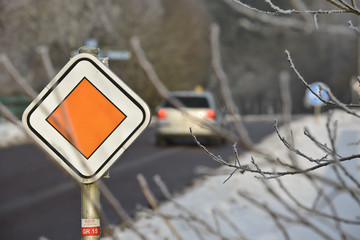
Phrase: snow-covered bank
(10, 134)
(234, 209)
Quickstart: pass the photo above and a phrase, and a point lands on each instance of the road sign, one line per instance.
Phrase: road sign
(118, 55)
(312, 99)
(86, 117)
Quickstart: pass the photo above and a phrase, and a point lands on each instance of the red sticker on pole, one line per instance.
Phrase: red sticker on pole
(90, 227)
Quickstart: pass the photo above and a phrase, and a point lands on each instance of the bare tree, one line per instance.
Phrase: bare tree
(257, 13)
(271, 170)
(167, 35)
(304, 19)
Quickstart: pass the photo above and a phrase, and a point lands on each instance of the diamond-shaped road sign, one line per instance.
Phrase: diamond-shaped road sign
(86, 117)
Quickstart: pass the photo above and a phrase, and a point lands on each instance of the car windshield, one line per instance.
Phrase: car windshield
(190, 102)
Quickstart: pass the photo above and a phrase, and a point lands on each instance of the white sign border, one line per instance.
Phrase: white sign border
(86, 170)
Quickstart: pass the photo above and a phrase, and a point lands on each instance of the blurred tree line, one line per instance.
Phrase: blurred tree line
(175, 36)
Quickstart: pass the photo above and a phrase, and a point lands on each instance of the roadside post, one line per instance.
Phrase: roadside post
(90, 194)
(85, 118)
(355, 90)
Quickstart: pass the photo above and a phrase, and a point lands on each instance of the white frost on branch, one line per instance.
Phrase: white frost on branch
(278, 9)
(277, 19)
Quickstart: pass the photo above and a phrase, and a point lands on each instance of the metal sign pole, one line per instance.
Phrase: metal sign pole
(90, 205)
(90, 194)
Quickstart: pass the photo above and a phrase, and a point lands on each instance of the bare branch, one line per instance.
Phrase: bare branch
(225, 89)
(339, 104)
(314, 211)
(322, 146)
(164, 92)
(10, 116)
(301, 6)
(333, 100)
(343, 8)
(273, 19)
(278, 9)
(119, 210)
(303, 80)
(292, 210)
(276, 216)
(20, 80)
(193, 218)
(291, 147)
(148, 68)
(151, 199)
(351, 26)
(46, 60)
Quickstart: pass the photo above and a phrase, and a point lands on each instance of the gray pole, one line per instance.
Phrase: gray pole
(90, 206)
(90, 194)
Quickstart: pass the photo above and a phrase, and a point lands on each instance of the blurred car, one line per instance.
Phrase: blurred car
(200, 108)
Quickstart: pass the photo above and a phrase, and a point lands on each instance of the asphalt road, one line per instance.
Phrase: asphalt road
(39, 200)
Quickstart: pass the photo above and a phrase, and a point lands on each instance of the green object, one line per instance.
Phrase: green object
(16, 103)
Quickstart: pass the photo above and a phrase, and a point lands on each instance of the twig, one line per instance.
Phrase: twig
(272, 174)
(217, 225)
(276, 216)
(160, 183)
(339, 104)
(314, 211)
(216, 158)
(292, 66)
(291, 147)
(230, 223)
(322, 146)
(258, 169)
(351, 26)
(301, 219)
(272, 18)
(349, 7)
(119, 210)
(222, 78)
(148, 68)
(301, 6)
(332, 136)
(279, 11)
(11, 117)
(193, 218)
(151, 200)
(46, 60)
(20, 80)
(164, 92)
(237, 159)
(333, 100)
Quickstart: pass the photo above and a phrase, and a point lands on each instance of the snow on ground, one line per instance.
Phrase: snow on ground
(223, 210)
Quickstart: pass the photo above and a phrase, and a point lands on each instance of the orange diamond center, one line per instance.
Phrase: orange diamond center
(86, 118)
